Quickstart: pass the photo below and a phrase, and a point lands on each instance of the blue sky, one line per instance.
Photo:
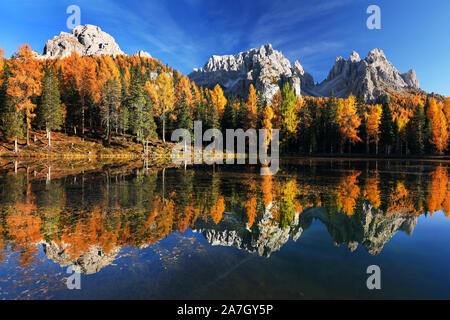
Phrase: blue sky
(185, 33)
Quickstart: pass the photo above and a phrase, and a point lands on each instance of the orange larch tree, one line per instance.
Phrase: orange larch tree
(267, 123)
(25, 83)
(348, 120)
(439, 126)
(184, 87)
(252, 109)
(218, 100)
(373, 123)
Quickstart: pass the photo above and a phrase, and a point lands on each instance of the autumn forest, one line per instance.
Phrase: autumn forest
(140, 99)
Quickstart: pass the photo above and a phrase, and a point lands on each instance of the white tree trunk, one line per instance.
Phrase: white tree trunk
(49, 137)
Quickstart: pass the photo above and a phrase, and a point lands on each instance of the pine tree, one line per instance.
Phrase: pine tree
(229, 115)
(242, 114)
(142, 121)
(331, 126)
(212, 115)
(261, 106)
(416, 130)
(428, 130)
(387, 127)
(123, 125)
(396, 136)
(109, 107)
(183, 117)
(361, 111)
(50, 113)
(73, 103)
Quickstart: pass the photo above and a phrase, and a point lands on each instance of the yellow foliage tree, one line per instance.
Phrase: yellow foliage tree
(184, 87)
(218, 99)
(252, 108)
(373, 116)
(347, 192)
(348, 120)
(165, 98)
(218, 209)
(439, 136)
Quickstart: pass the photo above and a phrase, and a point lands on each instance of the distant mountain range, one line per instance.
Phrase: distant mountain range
(266, 68)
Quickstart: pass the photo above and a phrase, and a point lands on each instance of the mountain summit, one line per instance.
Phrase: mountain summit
(267, 69)
(374, 76)
(87, 40)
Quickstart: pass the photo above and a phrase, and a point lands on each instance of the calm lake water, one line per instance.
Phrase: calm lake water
(309, 232)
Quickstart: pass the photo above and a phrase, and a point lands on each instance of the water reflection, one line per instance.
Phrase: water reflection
(85, 219)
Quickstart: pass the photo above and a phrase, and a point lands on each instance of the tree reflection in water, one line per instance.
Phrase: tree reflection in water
(85, 219)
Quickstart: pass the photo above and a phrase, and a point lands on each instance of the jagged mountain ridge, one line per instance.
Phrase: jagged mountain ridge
(267, 69)
(374, 76)
(372, 230)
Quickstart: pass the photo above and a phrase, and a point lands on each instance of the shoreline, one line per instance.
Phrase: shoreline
(366, 157)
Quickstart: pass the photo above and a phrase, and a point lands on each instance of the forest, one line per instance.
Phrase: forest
(138, 98)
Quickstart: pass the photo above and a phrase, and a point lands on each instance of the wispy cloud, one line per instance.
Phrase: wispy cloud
(153, 27)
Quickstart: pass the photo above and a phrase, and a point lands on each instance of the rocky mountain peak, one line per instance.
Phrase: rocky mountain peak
(266, 68)
(354, 57)
(374, 76)
(143, 54)
(410, 79)
(376, 55)
(89, 262)
(87, 40)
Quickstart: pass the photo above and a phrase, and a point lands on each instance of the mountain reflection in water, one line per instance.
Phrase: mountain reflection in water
(86, 219)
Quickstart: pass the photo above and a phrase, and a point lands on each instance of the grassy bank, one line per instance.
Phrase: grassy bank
(65, 146)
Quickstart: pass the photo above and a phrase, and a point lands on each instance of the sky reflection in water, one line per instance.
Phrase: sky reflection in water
(308, 232)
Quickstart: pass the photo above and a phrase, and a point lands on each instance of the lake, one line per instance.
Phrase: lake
(226, 232)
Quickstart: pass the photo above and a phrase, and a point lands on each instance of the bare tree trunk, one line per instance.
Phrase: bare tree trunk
(82, 121)
(164, 125)
(16, 149)
(49, 174)
(163, 182)
(49, 137)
